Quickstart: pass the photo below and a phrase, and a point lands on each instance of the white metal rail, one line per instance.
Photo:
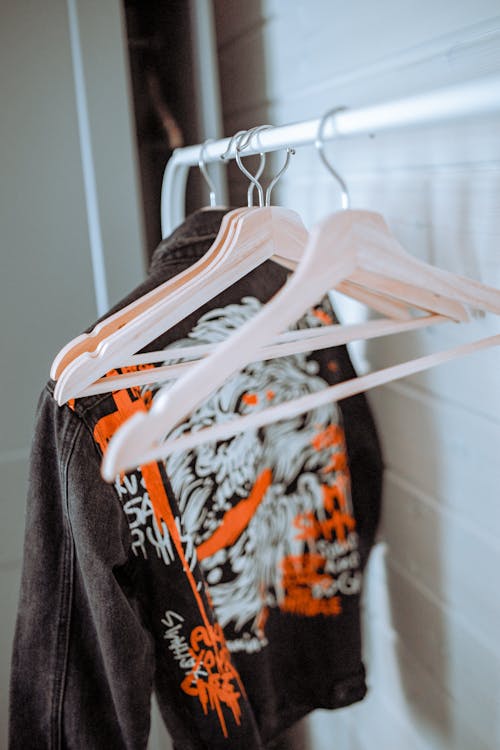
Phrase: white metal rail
(470, 99)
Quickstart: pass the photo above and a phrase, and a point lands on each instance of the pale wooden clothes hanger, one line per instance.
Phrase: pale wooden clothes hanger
(90, 342)
(344, 246)
(110, 344)
(92, 354)
(239, 247)
(116, 459)
(290, 342)
(245, 239)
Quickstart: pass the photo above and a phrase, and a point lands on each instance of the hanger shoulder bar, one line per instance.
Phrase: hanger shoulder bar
(312, 339)
(293, 408)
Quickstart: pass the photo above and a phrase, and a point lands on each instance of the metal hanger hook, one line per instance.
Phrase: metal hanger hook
(244, 143)
(203, 169)
(320, 145)
(257, 175)
(241, 144)
(231, 143)
(262, 164)
(250, 134)
(289, 153)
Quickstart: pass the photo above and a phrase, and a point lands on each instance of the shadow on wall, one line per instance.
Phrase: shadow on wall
(413, 530)
(415, 677)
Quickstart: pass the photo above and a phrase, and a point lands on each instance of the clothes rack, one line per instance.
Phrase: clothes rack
(477, 97)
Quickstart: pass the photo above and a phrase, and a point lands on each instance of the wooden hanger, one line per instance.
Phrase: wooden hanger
(90, 342)
(392, 301)
(245, 239)
(224, 431)
(347, 245)
(290, 342)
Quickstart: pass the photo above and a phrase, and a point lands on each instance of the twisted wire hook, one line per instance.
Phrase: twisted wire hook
(242, 143)
(243, 139)
(232, 140)
(240, 135)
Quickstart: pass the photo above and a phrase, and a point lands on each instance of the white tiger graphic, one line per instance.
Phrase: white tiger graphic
(245, 577)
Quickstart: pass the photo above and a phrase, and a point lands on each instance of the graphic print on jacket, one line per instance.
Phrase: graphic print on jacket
(269, 511)
(201, 653)
(267, 514)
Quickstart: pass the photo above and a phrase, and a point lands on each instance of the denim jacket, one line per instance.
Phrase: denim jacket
(227, 579)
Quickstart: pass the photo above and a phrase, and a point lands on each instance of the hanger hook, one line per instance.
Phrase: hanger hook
(289, 153)
(239, 135)
(257, 176)
(250, 133)
(242, 143)
(230, 145)
(320, 145)
(203, 169)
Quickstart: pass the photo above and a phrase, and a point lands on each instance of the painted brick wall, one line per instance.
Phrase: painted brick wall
(432, 611)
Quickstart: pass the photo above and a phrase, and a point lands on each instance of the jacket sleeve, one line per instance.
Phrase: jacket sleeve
(82, 665)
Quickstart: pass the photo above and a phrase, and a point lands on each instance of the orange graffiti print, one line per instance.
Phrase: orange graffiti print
(305, 581)
(338, 462)
(322, 316)
(236, 520)
(333, 366)
(216, 689)
(336, 524)
(250, 399)
(128, 402)
(300, 574)
(213, 677)
(332, 437)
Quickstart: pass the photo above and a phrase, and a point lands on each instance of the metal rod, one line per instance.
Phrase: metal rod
(88, 164)
(206, 74)
(478, 97)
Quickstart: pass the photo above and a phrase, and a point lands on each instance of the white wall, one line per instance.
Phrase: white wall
(432, 612)
(46, 281)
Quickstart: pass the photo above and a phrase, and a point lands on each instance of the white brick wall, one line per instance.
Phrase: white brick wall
(432, 612)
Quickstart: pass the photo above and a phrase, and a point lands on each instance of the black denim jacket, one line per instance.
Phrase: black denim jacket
(227, 579)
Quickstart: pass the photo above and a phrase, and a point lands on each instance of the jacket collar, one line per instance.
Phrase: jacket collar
(191, 239)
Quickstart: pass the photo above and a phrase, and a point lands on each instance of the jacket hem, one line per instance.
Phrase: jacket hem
(350, 690)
